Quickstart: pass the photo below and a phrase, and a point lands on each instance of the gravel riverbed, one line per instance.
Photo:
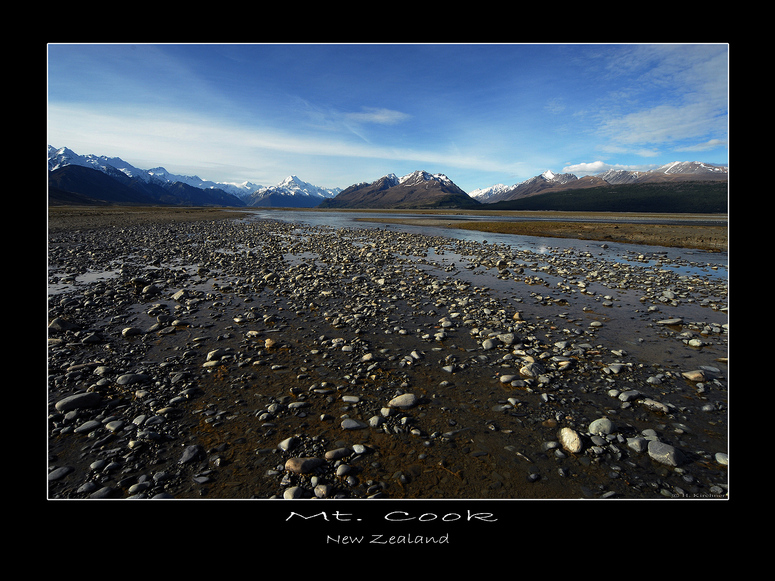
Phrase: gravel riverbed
(252, 358)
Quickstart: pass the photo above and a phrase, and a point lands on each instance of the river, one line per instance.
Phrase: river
(685, 261)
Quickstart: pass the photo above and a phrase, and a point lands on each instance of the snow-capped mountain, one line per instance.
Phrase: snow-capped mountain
(418, 189)
(420, 177)
(485, 194)
(530, 186)
(58, 158)
(675, 171)
(292, 192)
(691, 167)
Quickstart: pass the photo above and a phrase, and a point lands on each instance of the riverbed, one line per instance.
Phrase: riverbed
(275, 355)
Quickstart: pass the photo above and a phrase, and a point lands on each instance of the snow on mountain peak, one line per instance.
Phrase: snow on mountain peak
(293, 186)
(483, 194)
(422, 176)
(548, 174)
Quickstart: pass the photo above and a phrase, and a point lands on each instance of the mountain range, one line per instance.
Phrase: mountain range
(90, 179)
(548, 181)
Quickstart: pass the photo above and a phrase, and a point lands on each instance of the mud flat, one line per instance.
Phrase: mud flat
(196, 356)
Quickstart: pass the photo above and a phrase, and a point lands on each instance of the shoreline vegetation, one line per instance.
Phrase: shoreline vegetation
(695, 231)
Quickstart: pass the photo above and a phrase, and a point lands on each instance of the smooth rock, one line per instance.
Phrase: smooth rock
(303, 465)
(190, 454)
(60, 472)
(404, 401)
(601, 426)
(78, 401)
(665, 453)
(130, 378)
(570, 440)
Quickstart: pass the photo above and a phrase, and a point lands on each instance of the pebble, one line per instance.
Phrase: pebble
(404, 401)
(79, 401)
(601, 426)
(570, 440)
(303, 465)
(664, 453)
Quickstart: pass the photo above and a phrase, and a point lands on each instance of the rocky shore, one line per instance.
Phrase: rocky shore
(224, 357)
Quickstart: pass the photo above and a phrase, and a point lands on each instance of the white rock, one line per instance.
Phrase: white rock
(570, 440)
(403, 401)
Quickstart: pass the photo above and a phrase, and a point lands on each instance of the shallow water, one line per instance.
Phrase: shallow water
(684, 261)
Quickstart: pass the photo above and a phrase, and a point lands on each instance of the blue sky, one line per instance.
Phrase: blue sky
(338, 114)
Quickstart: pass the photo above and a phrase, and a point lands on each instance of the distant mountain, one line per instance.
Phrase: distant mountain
(128, 184)
(534, 186)
(90, 179)
(290, 193)
(117, 167)
(81, 185)
(76, 184)
(485, 194)
(416, 190)
(685, 171)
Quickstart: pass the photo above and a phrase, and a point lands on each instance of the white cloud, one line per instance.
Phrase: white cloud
(378, 115)
(681, 95)
(707, 146)
(177, 140)
(586, 168)
(596, 167)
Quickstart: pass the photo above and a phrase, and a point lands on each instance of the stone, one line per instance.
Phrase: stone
(303, 465)
(79, 401)
(130, 378)
(338, 453)
(637, 444)
(288, 443)
(655, 405)
(190, 454)
(570, 440)
(601, 426)
(351, 424)
(532, 369)
(695, 375)
(60, 472)
(665, 453)
(404, 401)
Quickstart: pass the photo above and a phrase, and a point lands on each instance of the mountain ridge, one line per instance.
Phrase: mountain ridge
(417, 190)
(121, 183)
(549, 181)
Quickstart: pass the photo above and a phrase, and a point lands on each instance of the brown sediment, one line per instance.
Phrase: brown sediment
(69, 217)
(701, 237)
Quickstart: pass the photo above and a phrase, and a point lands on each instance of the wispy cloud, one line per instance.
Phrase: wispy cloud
(190, 140)
(674, 94)
(380, 116)
(706, 146)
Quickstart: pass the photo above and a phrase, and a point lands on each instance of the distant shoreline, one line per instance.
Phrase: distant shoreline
(686, 230)
(698, 237)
